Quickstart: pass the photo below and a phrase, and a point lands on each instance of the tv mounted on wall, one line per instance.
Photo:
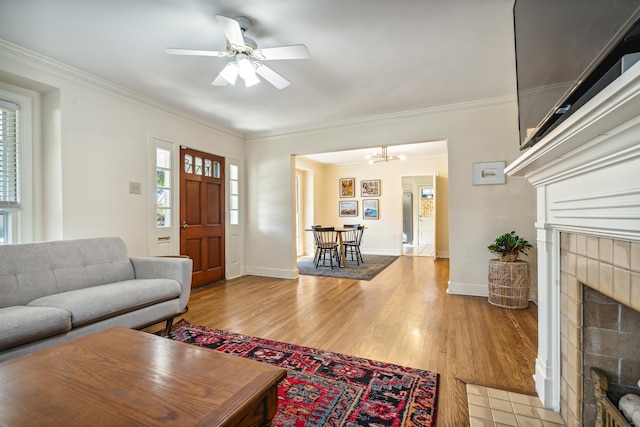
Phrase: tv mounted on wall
(566, 52)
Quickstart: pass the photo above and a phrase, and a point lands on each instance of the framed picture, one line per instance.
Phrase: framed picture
(488, 173)
(347, 187)
(349, 208)
(370, 209)
(370, 188)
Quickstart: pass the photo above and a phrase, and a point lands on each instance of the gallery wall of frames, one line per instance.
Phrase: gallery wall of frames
(349, 202)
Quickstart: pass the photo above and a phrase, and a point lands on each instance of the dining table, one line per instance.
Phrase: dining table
(340, 231)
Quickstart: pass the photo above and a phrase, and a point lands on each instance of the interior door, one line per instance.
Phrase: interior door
(202, 219)
(426, 219)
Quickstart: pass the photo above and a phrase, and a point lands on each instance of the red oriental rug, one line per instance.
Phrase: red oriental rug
(330, 389)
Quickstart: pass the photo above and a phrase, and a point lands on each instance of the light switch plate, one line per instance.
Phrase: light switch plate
(135, 188)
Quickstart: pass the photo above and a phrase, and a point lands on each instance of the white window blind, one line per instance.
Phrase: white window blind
(9, 190)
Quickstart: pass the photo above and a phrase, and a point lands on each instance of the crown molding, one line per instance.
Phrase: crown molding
(483, 104)
(42, 62)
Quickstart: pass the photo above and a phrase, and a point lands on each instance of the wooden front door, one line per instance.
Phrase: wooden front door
(202, 214)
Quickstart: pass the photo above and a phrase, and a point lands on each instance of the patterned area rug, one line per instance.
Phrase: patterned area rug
(372, 266)
(330, 389)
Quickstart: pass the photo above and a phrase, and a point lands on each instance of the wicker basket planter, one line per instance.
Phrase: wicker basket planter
(509, 284)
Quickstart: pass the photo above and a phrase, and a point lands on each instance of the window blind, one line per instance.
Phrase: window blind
(9, 197)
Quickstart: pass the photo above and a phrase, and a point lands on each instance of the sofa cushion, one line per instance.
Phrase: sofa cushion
(20, 324)
(102, 302)
(30, 271)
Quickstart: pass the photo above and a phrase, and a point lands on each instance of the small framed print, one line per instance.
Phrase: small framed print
(370, 209)
(488, 173)
(370, 188)
(347, 187)
(348, 208)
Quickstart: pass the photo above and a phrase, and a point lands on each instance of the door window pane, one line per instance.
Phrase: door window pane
(188, 163)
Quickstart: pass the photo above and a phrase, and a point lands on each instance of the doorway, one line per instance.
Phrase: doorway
(419, 215)
(202, 219)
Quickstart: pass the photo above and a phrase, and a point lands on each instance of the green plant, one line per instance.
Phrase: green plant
(509, 243)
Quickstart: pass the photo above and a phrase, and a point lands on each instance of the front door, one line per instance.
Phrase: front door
(202, 214)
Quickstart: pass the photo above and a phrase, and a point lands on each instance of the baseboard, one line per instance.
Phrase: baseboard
(470, 289)
(272, 272)
(544, 386)
(385, 252)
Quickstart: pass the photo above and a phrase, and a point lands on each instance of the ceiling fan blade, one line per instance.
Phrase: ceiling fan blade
(231, 29)
(298, 51)
(271, 76)
(195, 52)
(229, 74)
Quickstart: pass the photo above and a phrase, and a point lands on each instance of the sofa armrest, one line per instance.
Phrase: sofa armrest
(179, 269)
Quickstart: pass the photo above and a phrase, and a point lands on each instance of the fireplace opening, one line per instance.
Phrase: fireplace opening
(611, 344)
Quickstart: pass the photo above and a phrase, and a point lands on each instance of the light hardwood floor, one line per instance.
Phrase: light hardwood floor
(402, 316)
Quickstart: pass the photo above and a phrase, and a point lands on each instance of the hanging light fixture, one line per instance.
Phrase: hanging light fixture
(244, 68)
(383, 157)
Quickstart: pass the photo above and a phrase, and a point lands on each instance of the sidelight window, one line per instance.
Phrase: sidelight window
(234, 195)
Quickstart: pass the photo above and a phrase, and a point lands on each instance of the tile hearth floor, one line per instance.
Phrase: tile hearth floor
(500, 408)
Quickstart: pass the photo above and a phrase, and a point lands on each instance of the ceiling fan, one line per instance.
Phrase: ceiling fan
(246, 55)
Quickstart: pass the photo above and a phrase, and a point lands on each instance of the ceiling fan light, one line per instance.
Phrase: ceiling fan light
(251, 80)
(245, 67)
(402, 157)
(230, 73)
(246, 70)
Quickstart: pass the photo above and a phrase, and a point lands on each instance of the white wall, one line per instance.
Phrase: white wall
(97, 137)
(477, 132)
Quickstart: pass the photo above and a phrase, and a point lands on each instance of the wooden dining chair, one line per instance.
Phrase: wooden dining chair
(351, 241)
(315, 241)
(326, 243)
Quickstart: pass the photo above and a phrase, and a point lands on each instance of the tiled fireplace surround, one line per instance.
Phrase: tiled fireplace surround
(599, 319)
(586, 173)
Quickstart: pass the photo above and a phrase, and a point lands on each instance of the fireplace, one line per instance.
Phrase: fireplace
(598, 327)
(588, 235)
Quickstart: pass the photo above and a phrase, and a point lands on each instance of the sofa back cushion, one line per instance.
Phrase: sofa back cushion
(34, 270)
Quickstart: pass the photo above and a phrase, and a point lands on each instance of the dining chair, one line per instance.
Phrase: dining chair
(326, 243)
(315, 241)
(352, 241)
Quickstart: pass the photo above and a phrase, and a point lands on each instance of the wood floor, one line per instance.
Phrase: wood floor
(402, 316)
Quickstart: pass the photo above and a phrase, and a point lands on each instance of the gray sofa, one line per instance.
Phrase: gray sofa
(54, 291)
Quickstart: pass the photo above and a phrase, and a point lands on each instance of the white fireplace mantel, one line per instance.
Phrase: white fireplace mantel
(587, 178)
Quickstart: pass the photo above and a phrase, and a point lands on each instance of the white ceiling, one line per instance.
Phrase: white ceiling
(368, 58)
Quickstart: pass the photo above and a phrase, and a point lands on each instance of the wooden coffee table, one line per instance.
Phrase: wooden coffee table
(124, 377)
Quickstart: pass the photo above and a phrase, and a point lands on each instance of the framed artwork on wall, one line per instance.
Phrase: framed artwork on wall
(348, 208)
(347, 187)
(488, 173)
(370, 209)
(370, 188)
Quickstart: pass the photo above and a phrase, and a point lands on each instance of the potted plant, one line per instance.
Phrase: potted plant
(509, 246)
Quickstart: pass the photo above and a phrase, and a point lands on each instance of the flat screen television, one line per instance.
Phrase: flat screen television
(566, 52)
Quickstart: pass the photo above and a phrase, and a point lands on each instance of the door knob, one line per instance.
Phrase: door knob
(184, 224)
